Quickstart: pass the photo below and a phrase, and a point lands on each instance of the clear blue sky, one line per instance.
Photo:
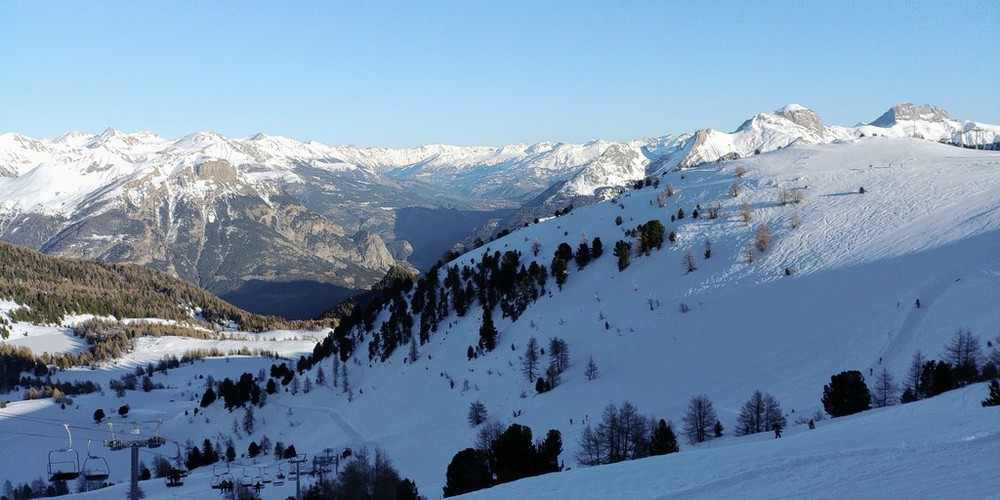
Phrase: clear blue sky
(483, 72)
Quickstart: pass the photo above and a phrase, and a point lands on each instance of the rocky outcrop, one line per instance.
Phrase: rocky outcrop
(803, 117)
(372, 251)
(908, 111)
(216, 170)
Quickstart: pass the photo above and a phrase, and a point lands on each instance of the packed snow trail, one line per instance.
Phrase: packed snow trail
(354, 437)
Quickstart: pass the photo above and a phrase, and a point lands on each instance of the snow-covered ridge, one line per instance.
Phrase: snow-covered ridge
(512, 172)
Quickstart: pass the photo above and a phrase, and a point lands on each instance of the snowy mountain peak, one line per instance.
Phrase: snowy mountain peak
(75, 138)
(102, 138)
(802, 116)
(907, 111)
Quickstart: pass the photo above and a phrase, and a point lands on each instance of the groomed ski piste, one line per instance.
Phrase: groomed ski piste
(925, 228)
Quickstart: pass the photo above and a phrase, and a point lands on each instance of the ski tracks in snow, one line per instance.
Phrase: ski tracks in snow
(349, 430)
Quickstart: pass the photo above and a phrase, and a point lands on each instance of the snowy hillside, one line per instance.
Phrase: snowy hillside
(834, 290)
(937, 448)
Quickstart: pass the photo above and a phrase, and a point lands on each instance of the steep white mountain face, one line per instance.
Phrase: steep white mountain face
(223, 212)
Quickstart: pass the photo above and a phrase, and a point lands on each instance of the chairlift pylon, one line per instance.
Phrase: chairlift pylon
(95, 468)
(64, 463)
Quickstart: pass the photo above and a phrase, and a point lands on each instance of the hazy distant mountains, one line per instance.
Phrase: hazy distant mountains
(288, 227)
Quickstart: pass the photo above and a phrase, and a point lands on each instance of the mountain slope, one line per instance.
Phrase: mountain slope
(48, 289)
(925, 228)
(258, 218)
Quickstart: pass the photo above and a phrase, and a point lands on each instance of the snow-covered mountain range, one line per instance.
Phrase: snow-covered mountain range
(244, 215)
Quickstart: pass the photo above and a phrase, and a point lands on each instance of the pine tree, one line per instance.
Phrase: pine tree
(414, 354)
(343, 378)
(512, 455)
(965, 355)
(994, 397)
(208, 398)
(307, 386)
(547, 453)
(336, 370)
(529, 362)
(477, 413)
(487, 332)
(558, 355)
(718, 428)
(208, 453)
(320, 377)
(582, 256)
(759, 414)
(596, 248)
(591, 371)
(846, 394)
(559, 271)
(663, 440)
(542, 385)
(249, 420)
(623, 251)
(916, 370)
(690, 263)
(468, 471)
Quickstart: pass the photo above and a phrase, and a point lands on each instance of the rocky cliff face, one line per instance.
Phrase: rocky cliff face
(908, 111)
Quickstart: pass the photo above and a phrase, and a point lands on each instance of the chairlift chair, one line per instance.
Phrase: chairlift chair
(95, 468)
(174, 478)
(222, 481)
(178, 471)
(64, 463)
(178, 461)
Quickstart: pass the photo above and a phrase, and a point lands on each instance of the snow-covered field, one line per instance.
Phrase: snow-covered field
(926, 228)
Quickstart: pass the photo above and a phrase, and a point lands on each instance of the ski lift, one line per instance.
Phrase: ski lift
(252, 475)
(95, 468)
(64, 463)
(174, 478)
(222, 478)
(178, 471)
(279, 478)
(223, 482)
